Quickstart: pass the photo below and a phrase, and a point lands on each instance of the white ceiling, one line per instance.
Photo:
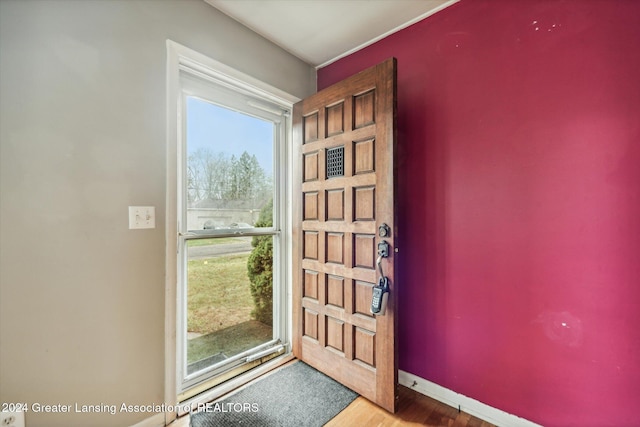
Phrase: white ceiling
(322, 31)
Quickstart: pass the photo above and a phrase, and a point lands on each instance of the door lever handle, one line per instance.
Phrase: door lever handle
(383, 252)
(379, 264)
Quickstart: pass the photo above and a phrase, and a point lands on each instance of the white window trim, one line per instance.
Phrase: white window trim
(179, 56)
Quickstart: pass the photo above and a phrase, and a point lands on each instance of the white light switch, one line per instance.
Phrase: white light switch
(142, 217)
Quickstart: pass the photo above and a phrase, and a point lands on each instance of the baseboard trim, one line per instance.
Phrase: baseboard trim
(464, 403)
(156, 420)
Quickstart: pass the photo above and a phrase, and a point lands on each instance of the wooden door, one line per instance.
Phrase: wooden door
(344, 138)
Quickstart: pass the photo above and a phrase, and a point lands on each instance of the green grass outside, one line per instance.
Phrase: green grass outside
(218, 293)
(217, 241)
(219, 306)
(230, 341)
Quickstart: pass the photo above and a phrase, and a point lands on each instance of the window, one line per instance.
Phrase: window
(227, 214)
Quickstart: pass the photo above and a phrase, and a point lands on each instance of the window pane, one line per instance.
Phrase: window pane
(229, 167)
(229, 298)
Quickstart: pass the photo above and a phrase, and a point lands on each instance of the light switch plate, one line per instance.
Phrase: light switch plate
(142, 217)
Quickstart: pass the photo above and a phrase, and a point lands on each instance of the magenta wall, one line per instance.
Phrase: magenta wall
(519, 201)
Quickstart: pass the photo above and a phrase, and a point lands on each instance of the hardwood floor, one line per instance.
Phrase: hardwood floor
(414, 409)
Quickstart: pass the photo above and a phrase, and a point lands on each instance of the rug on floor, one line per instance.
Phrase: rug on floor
(296, 395)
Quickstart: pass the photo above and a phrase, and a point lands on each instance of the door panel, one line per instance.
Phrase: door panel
(344, 140)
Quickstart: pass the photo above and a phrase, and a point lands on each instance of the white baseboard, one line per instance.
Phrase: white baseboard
(464, 403)
(156, 420)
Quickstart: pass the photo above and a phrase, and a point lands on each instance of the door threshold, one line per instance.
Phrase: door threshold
(215, 388)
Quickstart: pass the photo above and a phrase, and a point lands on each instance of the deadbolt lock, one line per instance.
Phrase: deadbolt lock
(384, 230)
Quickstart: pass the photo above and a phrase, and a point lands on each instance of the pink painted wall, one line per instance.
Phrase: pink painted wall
(519, 153)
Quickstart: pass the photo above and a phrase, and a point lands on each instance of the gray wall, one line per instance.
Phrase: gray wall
(82, 131)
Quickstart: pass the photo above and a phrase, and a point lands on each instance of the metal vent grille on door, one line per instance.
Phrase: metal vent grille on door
(335, 162)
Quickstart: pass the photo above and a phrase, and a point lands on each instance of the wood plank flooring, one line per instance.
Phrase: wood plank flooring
(414, 409)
